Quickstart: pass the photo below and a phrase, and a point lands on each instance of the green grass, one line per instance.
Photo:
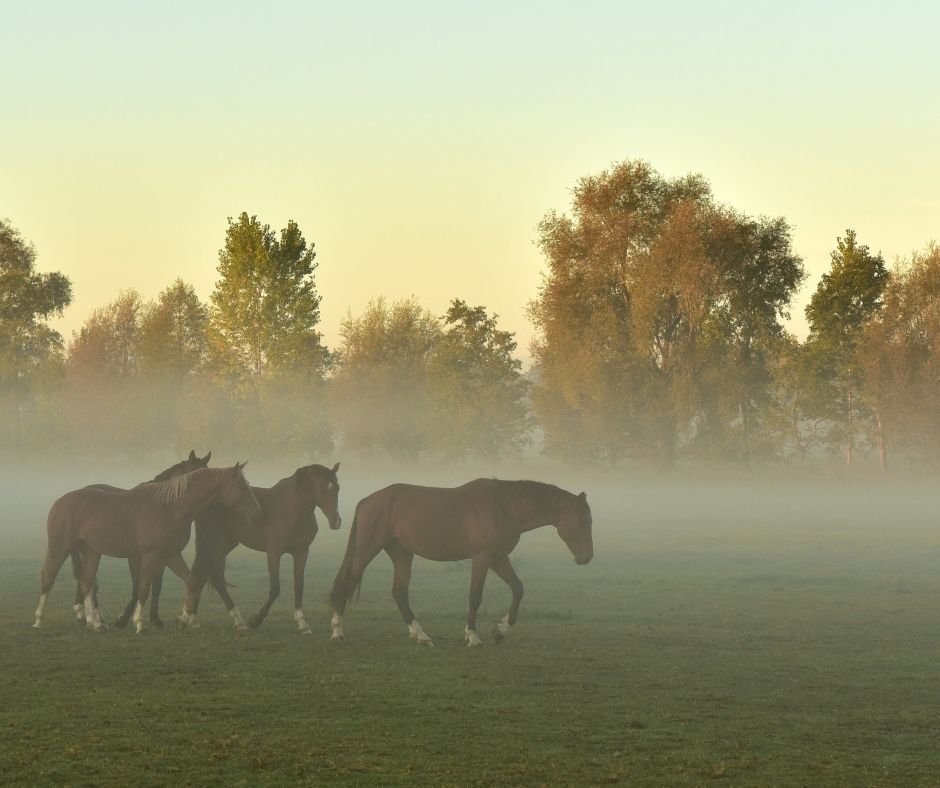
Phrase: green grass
(699, 647)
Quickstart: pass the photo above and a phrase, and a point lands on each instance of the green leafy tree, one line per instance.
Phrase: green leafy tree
(30, 351)
(846, 299)
(105, 400)
(380, 384)
(265, 308)
(477, 387)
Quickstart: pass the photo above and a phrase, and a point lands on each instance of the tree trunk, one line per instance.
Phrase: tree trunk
(850, 450)
(882, 446)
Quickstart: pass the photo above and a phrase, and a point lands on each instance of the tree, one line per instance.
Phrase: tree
(846, 299)
(380, 384)
(265, 308)
(897, 354)
(173, 335)
(28, 346)
(104, 402)
(476, 386)
(656, 318)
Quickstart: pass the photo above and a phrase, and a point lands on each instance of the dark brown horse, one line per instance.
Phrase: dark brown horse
(191, 463)
(481, 520)
(287, 525)
(152, 521)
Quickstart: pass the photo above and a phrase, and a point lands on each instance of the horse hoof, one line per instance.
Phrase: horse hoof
(157, 623)
(120, 622)
(425, 641)
(101, 628)
(37, 625)
(498, 637)
(305, 631)
(255, 621)
(243, 627)
(338, 639)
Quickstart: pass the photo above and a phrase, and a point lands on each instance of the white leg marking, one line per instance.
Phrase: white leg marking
(139, 618)
(337, 623)
(471, 637)
(240, 624)
(503, 626)
(186, 620)
(89, 611)
(39, 611)
(418, 635)
(95, 622)
(79, 611)
(302, 626)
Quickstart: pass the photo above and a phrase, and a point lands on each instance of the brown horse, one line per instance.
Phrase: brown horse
(288, 525)
(152, 521)
(191, 463)
(481, 520)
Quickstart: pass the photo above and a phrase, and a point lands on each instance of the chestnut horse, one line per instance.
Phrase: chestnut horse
(152, 521)
(288, 525)
(481, 520)
(191, 463)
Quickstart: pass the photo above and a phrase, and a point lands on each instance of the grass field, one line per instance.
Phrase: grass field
(719, 636)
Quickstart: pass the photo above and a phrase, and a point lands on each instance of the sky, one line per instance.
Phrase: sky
(418, 144)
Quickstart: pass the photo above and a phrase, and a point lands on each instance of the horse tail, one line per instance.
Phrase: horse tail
(341, 592)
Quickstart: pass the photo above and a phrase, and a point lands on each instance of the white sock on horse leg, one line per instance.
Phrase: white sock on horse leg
(139, 618)
(417, 634)
(302, 626)
(40, 609)
(237, 618)
(503, 626)
(471, 638)
(337, 623)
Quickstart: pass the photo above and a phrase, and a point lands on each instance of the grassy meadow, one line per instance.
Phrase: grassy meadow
(726, 635)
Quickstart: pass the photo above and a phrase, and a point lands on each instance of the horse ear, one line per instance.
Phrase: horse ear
(192, 454)
(335, 468)
(207, 458)
(583, 496)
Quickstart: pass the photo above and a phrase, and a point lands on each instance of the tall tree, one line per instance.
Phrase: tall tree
(265, 308)
(656, 317)
(28, 299)
(173, 334)
(477, 388)
(104, 405)
(846, 299)
(380, 384)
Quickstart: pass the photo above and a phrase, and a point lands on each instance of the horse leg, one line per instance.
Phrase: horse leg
(219, 584)
(402, 560)
(50, 568)
(155, 590)
(346, 583)
(479, 567)
(90, 561)
(133, 564)
(300, 563)
(176, 564)
(274, 590)
(79, 606)
(507, 574)
(147, 569)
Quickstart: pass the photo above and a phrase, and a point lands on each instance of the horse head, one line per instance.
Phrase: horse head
(574, 527)
(322, 485)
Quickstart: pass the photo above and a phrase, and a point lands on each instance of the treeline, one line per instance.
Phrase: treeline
(659, 336)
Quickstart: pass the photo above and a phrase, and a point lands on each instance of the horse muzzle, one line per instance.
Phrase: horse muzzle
(336, 524)
(584, 559)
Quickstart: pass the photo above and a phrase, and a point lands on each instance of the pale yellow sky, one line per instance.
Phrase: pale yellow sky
(419, 147)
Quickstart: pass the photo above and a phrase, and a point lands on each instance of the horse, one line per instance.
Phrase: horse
(481, 520)
(152, 521)
(288, 525)
(191, 463)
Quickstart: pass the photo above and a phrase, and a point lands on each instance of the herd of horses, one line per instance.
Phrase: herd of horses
(151, 524)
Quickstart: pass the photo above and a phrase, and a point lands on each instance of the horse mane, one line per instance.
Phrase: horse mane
(171, 472)
(168, 491)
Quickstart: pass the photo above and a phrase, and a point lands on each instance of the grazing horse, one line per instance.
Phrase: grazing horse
(152, 521)
(191, 463)
(481, 520)
(288, 525)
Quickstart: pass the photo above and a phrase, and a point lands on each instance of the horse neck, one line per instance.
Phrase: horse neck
(203, 484)
(534, 504)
